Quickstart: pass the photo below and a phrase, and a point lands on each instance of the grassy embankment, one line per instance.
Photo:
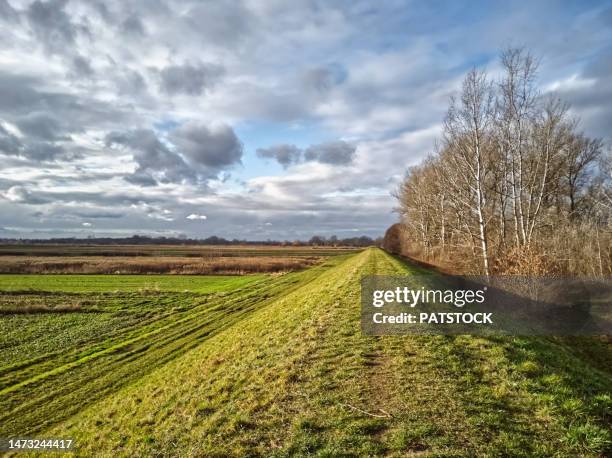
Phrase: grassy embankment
(298, 378)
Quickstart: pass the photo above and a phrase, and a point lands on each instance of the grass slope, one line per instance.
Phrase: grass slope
(298, 378)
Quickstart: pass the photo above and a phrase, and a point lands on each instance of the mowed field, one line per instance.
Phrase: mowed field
(275, 365)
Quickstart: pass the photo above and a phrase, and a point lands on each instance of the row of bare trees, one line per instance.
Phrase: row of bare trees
(513, 186)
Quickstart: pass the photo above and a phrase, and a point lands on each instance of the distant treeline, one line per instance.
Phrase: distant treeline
(361, 241)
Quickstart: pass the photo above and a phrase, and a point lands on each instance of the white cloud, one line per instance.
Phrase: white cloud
(321, 71)
(195, 216)
(574, 82)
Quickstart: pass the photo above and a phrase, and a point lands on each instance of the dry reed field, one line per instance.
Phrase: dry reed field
(185, 260)
(153, 265)
(51, 249)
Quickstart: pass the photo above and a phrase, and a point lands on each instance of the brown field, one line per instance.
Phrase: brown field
(212, 265)
(196, 251)
(160, 259)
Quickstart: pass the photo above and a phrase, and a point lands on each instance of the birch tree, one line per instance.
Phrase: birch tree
(516, 104)
(467, 132)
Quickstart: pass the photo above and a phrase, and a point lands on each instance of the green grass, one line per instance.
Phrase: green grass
(53, 364)
(293, 376)
(297, 378)
(109, 283)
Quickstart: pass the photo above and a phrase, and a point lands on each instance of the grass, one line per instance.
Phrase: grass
(123, 283)
(280, 368)
(53, 364)
(297, 378)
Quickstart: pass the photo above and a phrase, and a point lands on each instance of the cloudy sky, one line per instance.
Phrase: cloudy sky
(254, 119)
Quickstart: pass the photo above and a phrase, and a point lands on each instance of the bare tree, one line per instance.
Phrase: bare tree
(467, 131)
(549, 139)
(582, 154)
(514, 186)
(516, 104)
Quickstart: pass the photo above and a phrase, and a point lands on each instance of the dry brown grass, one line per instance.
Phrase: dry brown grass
(41, 308)
(238, 265)
(573, 251)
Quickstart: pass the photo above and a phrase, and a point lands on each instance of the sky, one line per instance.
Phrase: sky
(254, 119)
